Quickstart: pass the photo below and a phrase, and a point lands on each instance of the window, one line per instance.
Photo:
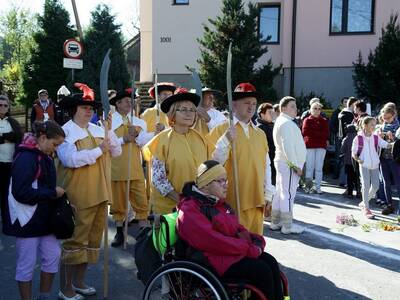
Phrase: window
(181, 2)
(352, 16)
(269, 23)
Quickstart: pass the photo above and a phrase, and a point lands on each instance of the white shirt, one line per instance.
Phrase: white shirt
(69, 155)
(6, 149)
(289, 143)
(217, 118)
(143, 137)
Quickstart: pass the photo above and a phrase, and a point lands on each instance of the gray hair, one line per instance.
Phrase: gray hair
(5, 98)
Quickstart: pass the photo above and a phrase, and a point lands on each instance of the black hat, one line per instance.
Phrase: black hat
(161, 86)
(122, 94)
(181, 94)
(209, 90)
(244, 90)
(87, 98)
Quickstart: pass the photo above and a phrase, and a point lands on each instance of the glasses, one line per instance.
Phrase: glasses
(186, 110)
(221, 181)
(3, 105)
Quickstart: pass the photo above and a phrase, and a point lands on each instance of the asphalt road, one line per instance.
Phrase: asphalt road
(327, 261)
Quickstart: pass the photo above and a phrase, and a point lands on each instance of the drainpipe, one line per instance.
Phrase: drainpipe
(293, 49)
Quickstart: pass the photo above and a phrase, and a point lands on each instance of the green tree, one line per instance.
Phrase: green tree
(45, 66)
(379, 79)
(101, 35)
(16, 28)
(240, 26)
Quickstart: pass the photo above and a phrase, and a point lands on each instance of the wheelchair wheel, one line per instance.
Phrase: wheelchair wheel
(184, 280)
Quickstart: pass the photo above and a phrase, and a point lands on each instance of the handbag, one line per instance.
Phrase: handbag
(62, 219)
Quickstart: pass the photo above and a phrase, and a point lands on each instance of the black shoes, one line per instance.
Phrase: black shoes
(119, 238)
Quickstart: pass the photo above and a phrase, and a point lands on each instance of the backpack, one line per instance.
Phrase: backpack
(361, 143)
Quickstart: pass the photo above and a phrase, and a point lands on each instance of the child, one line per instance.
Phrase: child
(32, 191)
(365, 150)
(345, 150)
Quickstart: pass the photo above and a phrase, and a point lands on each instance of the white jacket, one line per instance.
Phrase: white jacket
(289, 143)
(369, 155)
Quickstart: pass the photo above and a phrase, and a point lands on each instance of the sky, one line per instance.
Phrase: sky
(126, 11)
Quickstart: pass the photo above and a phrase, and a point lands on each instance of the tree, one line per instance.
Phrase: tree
(16, 28)
(45, 67)
(379, 79)
(240, 27)
(101, 35)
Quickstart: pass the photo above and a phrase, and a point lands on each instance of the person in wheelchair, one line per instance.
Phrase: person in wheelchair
(212, 231)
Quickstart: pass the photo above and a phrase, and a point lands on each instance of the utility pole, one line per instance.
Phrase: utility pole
(78, 24)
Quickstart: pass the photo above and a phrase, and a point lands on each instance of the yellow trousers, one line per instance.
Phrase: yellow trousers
(84, 245)
(253, 219)
(137, 198)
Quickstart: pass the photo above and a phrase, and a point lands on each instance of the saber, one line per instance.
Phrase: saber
(106, 110)
(229, 93)
(156, 94)
(128, 182)
(197, 84)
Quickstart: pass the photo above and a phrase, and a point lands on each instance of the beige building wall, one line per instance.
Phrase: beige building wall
(169, 34)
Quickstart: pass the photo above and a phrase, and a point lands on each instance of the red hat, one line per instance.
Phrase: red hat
(244, 90)
(122, 94)
(161, 86)
(181, 94)
(85, 98)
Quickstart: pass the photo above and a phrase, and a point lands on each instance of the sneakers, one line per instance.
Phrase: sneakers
(292, 229)
(368, 214)
(388, 210)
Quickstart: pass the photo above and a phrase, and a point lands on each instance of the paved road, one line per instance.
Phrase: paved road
(328, 261)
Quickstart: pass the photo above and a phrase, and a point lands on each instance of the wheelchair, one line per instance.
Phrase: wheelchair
(180, 279)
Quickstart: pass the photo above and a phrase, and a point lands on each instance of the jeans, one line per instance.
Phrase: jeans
(390, 167)
(314, 163)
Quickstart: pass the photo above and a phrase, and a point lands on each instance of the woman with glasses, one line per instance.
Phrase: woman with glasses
(176, 152)
(315, 132)
(10, 137)
(209, 226)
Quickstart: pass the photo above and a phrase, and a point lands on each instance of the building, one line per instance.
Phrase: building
(316, 41)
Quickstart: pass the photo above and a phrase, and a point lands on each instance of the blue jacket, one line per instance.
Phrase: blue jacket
(24, 170)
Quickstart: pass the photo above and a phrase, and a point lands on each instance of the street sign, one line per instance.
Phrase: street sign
(72, 48)
(70, 63)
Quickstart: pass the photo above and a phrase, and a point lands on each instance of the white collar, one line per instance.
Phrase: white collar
(117, 121)
(244, 125)
(196, 189)
(286, 116)
(75, 133)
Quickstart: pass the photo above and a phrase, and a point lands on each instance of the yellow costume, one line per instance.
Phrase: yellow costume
(150, 117)
(119, 173)
(181, 154)
(84, 173)
(201, 127)
(251, 154)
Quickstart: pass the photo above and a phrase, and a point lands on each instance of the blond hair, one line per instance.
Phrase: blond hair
(172, 112)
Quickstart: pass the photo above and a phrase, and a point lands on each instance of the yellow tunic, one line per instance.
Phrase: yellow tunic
(119, 164)
(201, 126)
(150, 117)
(87, 186)
(251, 162)
(182, 154)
